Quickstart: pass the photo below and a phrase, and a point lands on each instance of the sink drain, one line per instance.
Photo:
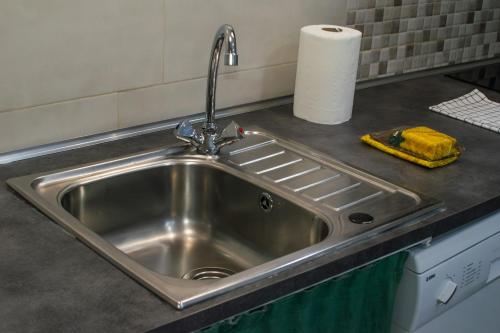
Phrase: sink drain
(361, 218)
(208, 273)
(266, 202)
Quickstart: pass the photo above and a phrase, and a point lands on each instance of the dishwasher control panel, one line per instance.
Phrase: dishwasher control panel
(423, 296)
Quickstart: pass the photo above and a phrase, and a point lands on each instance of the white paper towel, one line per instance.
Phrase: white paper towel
(326, 73)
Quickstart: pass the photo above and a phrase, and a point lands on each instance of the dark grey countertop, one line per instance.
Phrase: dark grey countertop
(50, 282)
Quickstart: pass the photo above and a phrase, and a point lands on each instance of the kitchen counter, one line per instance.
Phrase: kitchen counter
(51, 282)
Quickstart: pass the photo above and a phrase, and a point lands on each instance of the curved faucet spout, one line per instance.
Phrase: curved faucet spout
(210, 139)
(226, 31)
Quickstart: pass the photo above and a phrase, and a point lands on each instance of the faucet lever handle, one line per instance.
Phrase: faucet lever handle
(230, 134)
(187, 133)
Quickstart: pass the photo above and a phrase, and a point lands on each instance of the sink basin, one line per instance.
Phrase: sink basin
(190, 227)
(189, 220)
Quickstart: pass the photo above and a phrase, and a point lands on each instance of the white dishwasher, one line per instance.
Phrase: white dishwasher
(453, 285)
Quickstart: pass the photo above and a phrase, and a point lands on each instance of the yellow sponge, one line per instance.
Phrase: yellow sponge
(427, 143)
(420, 145)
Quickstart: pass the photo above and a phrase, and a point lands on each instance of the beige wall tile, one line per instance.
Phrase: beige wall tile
(256, 85)
(66, 50)
(39, 125)
(188, 97)
(267, 31)
(55, 50)
(162, 102)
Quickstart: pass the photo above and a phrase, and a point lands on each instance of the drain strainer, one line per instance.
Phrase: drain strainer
(208, 273)
(266, 202)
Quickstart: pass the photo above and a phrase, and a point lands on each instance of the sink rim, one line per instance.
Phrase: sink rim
(183, 293)
(187, 292)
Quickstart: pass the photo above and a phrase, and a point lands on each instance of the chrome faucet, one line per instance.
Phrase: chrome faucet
(209, 140)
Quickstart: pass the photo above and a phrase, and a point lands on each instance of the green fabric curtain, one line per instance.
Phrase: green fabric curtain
(357, 302)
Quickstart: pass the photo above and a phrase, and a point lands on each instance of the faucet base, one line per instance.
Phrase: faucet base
(209, 140)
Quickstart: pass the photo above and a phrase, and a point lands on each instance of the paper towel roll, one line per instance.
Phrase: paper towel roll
(326, 73)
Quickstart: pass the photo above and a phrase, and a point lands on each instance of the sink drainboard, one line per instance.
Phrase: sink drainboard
(328, 186)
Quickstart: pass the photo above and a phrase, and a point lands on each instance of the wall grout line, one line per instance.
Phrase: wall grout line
(164, 42)
(234, 72)
(117, 111)
(142, 87)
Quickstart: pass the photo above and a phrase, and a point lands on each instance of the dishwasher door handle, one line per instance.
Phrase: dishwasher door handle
(494, 270)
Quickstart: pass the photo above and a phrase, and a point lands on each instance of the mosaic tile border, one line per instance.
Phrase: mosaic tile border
(401, 36)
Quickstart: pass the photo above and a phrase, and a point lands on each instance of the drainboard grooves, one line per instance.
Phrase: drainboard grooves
(351, 197)
(291, 171)
(256, 155)
(274, 163)
(248, 143)
(277, 167)
(261, 158)
(310, 179)
(331, 187)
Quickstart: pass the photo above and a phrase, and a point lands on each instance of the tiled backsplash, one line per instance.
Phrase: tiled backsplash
(401, 36)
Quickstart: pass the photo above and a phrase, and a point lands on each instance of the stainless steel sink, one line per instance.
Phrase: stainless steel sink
(188, 217)
(190, 226)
